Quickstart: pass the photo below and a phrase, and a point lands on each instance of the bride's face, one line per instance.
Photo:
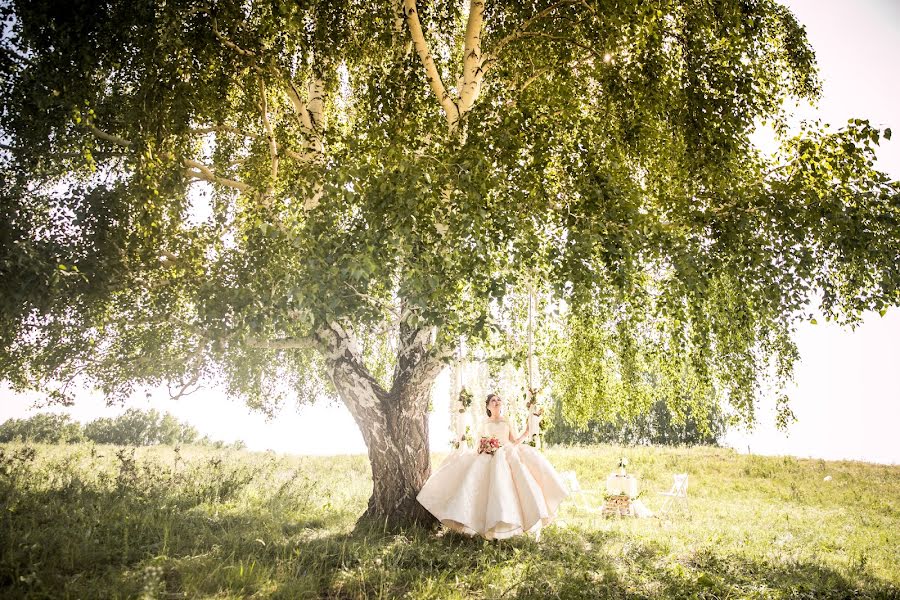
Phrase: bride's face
(496, 406)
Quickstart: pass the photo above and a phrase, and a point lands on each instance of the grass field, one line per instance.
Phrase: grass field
(104, 522)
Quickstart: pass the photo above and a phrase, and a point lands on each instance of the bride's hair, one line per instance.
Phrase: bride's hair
(488, 401)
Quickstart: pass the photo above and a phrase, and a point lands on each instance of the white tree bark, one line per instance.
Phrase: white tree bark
(393, 423)
(199, 171)
(451, 110)
(473, 72)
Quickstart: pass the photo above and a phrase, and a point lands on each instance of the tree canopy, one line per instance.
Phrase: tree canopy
(193, 188)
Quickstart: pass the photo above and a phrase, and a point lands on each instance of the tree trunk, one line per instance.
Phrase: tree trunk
(401, 460)
(394, 424)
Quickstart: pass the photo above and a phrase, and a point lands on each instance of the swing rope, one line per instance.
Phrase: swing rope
(458, 386)
(530, 362)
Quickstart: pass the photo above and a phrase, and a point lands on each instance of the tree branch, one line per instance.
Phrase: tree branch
(270, 134)
(193, 168)
(316, 104)
(287, 343)
(472, 58)
(194, 380)
(96, 155)
(538, 73)
(222, 129)
(386, 306)
(521, 31)
(310, 114)
(451, 110)
(303, 157)
(534, 78)
(228, 43)
(418, 359)
(299, 105)
(200, 171)
(108, 137)
(399, 14)
(183, 390)
(338, 342)
(313, 117)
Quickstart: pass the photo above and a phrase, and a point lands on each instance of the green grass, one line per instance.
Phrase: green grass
(102, 522)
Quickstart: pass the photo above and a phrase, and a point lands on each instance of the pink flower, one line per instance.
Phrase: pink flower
(488, 445)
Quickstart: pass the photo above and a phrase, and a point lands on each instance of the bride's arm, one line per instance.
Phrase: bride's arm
(514, 436)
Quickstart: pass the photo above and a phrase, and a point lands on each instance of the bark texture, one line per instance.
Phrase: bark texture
(393, 423)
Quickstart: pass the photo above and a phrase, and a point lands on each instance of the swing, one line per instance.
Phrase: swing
(465, 412)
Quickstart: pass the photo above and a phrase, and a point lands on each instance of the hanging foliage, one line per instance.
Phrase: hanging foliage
(298, 198)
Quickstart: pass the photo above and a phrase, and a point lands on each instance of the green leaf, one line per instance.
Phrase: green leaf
(626, 193)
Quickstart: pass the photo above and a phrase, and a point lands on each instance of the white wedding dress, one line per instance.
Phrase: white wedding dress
(514, 491)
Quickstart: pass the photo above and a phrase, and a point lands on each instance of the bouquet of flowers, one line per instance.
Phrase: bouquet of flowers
(488, 445)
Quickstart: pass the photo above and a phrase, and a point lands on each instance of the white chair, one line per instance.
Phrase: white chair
(574, 487)
(571, 481)
(677, 495)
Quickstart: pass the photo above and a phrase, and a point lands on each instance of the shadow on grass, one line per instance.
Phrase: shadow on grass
(109, 545)
(575, 564)
(143, 538)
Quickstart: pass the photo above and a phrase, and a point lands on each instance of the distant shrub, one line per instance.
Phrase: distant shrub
(657, 426)
(132, 428)
(47, 428)
(140, 428)
(221, 445)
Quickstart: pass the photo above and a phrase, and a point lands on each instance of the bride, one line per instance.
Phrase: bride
(499, 494)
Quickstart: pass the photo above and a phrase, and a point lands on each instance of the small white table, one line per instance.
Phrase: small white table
(622, 491)
(618, 485)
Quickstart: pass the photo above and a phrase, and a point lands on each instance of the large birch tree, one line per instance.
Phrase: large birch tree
(301, 198)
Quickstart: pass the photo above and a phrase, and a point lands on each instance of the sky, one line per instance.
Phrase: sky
(846, 392)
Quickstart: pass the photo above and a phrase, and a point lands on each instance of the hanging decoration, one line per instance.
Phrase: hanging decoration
(461, 421)
(535, 418)
(476, 379)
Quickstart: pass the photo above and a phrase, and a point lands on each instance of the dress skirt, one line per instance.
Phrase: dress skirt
(515, 491)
